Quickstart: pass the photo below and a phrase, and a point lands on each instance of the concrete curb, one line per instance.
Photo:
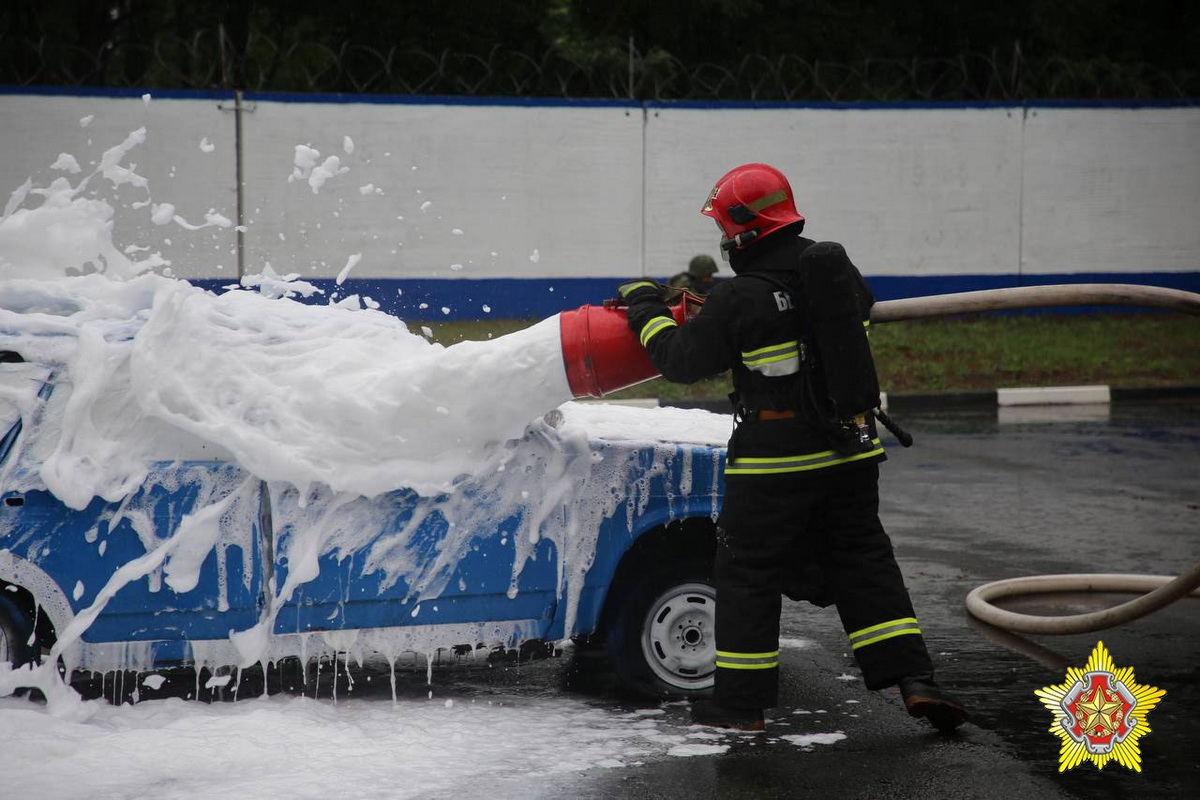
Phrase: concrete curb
(997, 398)
(1053, 396)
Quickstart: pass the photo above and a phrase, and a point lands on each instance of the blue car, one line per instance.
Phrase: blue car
(203, 564)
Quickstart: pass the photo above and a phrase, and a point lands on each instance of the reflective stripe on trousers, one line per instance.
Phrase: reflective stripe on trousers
(884, 630)
(730, 660)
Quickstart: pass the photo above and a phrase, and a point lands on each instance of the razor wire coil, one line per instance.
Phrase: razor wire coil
(207, 59)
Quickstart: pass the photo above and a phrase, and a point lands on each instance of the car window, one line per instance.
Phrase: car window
(21, 383)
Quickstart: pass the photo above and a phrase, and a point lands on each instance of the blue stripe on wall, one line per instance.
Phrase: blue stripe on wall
(429, 299)
(916, 105)
(440, 100)
(119, 92)
(581, 102)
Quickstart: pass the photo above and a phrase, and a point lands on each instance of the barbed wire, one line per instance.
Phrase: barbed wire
(207, 59)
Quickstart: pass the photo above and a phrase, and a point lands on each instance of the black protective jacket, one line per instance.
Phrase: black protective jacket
(759, 325)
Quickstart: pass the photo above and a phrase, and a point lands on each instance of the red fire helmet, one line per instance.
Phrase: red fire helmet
(750, 202)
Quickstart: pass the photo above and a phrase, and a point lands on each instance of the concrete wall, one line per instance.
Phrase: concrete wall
(188, 160)
(927, 192)
(455, 191)
(460, 209)
(1111, 190)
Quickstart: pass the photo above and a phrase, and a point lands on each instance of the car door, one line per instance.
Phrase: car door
(205, 514)
(403, 560)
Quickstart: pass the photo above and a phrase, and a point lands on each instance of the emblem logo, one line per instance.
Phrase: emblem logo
(1100, 713)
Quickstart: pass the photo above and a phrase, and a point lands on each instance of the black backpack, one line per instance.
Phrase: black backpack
(838, 385)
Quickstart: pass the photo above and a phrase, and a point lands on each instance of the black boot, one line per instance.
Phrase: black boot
(924, 698)
(706, 712)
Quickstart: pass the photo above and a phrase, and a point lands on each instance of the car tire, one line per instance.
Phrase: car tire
(661, 628)
(16, 629)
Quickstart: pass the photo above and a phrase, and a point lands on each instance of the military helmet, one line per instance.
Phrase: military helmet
(702, 266)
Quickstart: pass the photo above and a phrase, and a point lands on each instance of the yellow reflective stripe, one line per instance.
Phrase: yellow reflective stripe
(724, 665)
(880, 638)
(656, 326)
(767, 200)
(766, 355)
(771, 466)
(775, 361)
(889, 624)
(750, 355)
(629, 287)
(884, 630)
(728, 660)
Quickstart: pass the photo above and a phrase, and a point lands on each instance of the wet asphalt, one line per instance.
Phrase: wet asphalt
(985, 495)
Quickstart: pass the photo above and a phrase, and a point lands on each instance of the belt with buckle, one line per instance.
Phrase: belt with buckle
(768, 413)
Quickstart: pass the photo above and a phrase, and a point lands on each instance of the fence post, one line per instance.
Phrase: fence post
(239, 175)
(631, 66)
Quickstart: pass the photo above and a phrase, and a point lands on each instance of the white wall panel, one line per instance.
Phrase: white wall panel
(35, 129)
(1111, 190)
(455, 191)
(924, 192)
(610, 191)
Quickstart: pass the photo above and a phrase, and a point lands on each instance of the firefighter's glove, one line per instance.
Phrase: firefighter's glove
(634, 292)
(645, 300)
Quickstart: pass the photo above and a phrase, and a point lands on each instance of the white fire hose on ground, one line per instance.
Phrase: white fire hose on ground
(1156, 591)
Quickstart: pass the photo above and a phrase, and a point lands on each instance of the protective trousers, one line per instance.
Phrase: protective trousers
(777, 532)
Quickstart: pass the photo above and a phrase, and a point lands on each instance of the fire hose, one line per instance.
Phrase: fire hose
(1156, 591)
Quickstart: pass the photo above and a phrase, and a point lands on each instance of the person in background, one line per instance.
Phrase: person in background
(699, 278)
(801, 509)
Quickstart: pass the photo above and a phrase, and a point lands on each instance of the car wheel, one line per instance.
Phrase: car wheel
(15, 633)
(661, 639)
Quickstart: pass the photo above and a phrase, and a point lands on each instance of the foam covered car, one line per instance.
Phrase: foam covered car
(598, 524)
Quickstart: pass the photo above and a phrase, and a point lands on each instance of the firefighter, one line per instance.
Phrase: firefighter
(699, 278)
(800, 515)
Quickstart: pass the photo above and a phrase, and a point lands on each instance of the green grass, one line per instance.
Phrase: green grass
(978, 353)
(1043, 350)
